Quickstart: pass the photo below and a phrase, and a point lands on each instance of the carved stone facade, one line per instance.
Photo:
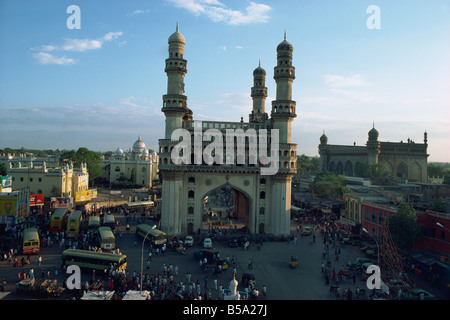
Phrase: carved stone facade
(263, 200)
(402, 160)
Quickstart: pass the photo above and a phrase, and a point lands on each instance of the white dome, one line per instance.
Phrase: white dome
(119, 152)
(138, 146)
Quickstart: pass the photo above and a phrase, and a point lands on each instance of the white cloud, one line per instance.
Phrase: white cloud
(218, 12)
(72, 45)
(138, 12)
(80, 45)
(47, 58)
(340, 81)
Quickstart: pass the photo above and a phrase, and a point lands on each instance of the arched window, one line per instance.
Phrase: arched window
(117, 169)
(191, 210)
(262, 195)
(191, 180)
(191, 194)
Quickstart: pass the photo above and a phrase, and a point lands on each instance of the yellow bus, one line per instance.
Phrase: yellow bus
(109, 221)
(91, 260)
(94, 222)
(106, 238)
(74, 223)
(59, 220)
(157, 237)
(31, 243)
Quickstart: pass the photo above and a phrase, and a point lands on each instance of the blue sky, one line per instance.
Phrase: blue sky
(101, 86)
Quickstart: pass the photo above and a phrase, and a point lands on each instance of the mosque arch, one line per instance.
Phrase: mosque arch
(402, 170)
(348, 169)
(332, 167)
(340, 168)
(241, 202)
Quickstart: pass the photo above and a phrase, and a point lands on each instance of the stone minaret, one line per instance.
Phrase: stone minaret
(283, 108)
(175, 102)
(282, 115)
(259, 95)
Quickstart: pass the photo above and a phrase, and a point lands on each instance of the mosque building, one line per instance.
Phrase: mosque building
(262, 200)
(137, 166)
(402, 160)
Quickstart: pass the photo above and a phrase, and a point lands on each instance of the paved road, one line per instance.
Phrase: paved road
(270, 266)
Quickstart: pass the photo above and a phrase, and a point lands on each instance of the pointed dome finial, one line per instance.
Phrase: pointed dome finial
(373, 124)
(259, 64)
(177, 25)
(284, 34)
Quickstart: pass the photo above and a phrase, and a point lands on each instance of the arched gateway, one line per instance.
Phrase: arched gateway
(256, 159)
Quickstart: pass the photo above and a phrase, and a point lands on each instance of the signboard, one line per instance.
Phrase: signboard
(8, 206)
(61, 202)
(36, 200)
(88, 195)
(6, 181)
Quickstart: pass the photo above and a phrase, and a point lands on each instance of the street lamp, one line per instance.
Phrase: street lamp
(440, 225)
(142, 254)
(378, 250)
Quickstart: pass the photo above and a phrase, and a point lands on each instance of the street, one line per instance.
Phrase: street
(271, 266)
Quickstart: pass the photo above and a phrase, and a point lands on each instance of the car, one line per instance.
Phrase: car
(189, 241)
(207, 243)
(306, 231)
(233, 242)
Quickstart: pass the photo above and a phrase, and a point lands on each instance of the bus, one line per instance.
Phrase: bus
(138, 205)
(106, 238)
(94, 222)
(109, 221)
(31, 243)
(59, 220)
(157, 237)
(74, 223)
(91, 260)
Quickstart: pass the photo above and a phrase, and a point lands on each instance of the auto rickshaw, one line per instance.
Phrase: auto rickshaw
(294, 262)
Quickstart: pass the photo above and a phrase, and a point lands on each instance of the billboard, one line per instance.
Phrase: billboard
(36, 200)
(8, 206)
(61, 202)
(87, 195)
(6, 181)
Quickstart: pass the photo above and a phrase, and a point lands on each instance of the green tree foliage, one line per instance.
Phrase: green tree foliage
(83, 155)
(329, 185)
(3, 170)
(307, 164)
(404, 228)
(439, 170)
(365, 170)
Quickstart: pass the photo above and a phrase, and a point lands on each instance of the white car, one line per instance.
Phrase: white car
(207, 243)
(189, 241)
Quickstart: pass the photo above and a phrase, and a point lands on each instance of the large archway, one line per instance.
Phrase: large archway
(402, 171)
(225, 207)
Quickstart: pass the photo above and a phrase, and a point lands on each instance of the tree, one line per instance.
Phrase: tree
(3, 170)
(84, 155)
(329, 185)
(366, 170)
(404, 228)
